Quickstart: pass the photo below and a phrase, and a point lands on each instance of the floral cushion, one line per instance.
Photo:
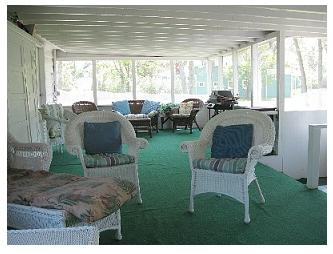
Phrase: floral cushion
(149, 106)
(107, 159)
(185, 108)
(228, 165)
(87, 198)
(122, 107)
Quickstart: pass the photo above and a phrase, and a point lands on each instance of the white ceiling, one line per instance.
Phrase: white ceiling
(166, 30)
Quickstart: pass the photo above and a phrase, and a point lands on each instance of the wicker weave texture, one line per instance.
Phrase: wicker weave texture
(86, 235)
(32, 156)
(75, 145)
(233, 185)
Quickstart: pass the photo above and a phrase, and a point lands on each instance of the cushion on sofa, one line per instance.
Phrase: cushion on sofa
(232, 141)
(107, 159)
(234, 166)
(122, 107)
(136, 116)
(102, 137)
(149, 106)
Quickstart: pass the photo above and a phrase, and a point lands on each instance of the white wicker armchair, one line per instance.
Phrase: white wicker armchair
(54, 119)
(85, 235)
(74, 140)
(231, 184)
(33, 156)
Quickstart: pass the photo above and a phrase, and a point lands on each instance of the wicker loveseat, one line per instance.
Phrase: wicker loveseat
(140, 115)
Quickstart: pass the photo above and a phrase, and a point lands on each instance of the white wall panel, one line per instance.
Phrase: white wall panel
(295, 142)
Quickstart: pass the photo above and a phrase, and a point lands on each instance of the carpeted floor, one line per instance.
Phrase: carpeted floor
(292, 214)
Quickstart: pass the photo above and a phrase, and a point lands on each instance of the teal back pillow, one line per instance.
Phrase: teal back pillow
(232, 141)
(122, 107)
(102, 137)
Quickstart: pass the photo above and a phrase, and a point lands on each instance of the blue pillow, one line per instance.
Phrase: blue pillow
(122, 107)
(102, 137)
(232, 141)
(149, 106)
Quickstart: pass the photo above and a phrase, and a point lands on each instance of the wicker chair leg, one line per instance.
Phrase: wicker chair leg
(118, 231)
(139, 199)
(191, 205)
(260, 192)
(246, 204)
(195, 121)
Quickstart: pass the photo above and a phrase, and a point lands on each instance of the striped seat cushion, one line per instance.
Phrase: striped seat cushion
(227, 165)
(136, 116)
(107, 159)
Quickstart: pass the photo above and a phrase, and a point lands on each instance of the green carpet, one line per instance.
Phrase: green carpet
(292, 214)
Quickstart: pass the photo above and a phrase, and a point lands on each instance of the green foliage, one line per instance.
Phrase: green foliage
(166, 107)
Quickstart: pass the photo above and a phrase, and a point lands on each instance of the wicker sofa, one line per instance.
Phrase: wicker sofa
(146, 121)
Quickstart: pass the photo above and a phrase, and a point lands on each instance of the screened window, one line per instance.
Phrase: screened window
(153, 80)
(228, 73)
(191, 80)
(305, 74)
(244, 74)
(74, 81)
(114, 81)
(265, 87)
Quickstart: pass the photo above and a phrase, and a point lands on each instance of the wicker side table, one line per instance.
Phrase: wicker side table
(142, 124)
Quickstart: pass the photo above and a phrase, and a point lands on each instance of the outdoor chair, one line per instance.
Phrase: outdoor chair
(54, 119)
(186, 113)
(238, 139)
(83, 106)
(105, 163)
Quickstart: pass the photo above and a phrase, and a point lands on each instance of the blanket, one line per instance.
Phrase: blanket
(87, 198)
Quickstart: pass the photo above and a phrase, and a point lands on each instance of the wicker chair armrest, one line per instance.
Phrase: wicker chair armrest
(134, 145)
(85, 235)
(34, 156)
(139, 143)
(256, 152)
(68, 115)
(195, 149)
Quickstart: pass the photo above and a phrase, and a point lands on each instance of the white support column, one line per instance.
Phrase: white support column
(280, 77)
(134, 79)
(94, 84)
(314, 155)
(220, 72)
(172, 70)
(209, 78)
(255, 83)
(235, 71)
(280, 74)
(55, 78)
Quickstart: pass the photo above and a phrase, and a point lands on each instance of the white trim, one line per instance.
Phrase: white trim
(133, 79)
(94, 81)
(235, 71)
(172, 69)
(220, 72)
(24, 34)
(62, 56)
(254, 74)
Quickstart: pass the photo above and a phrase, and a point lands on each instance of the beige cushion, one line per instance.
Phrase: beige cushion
(185, 108)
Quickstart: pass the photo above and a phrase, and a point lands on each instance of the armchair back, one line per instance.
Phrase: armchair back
(83, 106)
(263, 126)
(74, 133)
(135, 106)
